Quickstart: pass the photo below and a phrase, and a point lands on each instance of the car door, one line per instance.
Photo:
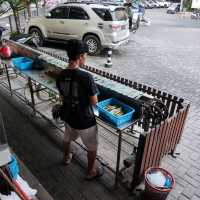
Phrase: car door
(56, 21)
(77, 24)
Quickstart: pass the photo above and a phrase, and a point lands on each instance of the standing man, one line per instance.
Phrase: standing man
(142, 11)
(129, 11)
(79, 93)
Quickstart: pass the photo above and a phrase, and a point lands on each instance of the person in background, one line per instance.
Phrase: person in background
(130, 14)
(142, 10)
(78, 92)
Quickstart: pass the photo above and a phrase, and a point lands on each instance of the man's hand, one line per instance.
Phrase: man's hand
(60, 98)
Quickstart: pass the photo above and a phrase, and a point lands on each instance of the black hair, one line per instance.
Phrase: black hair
(75, 48)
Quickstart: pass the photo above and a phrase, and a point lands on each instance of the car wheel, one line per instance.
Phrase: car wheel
(93, 44)
(39, 39)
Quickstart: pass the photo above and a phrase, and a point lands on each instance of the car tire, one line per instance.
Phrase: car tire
(93, 43)
(38, 35)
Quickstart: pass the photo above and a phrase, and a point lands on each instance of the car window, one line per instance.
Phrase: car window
(59, 13)
(104, 14)
(78, 13)
(119, 14)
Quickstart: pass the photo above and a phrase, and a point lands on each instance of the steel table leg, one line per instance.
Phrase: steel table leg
(118, 158)
(8, 78)
(32, 95)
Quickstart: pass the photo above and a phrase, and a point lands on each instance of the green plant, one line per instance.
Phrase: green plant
(16, 6)
(187, 5)
(14, 34)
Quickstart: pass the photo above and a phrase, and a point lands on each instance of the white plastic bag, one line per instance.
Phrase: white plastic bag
(12, 196)
(24, 186)
(156, 179)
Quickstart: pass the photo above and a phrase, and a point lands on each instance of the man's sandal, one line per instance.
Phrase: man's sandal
(99, 173)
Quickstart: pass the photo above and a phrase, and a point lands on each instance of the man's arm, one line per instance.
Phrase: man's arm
(92, 91)
(93, 100)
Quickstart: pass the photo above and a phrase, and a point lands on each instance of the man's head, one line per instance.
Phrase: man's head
(77, 51)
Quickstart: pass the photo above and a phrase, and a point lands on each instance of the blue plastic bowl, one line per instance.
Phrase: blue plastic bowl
(116, 120)
(22, 63)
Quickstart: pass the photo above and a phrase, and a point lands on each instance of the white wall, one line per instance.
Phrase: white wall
(195, 3)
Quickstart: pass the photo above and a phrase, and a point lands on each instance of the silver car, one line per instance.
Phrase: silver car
(98, 25)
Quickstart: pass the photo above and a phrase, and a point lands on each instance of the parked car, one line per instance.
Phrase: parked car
(167, 4)
(148, 4)
(195, 14)
(157, 5)
(98, 25)
(152, 4)
(161, 3)
(120, 2)
(174, 8)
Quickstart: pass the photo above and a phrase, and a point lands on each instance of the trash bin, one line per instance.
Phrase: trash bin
(158, 183)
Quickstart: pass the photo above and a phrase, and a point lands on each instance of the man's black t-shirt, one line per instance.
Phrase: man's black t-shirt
(76, 86)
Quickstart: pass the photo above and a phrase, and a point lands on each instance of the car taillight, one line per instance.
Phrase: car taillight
(115, 27)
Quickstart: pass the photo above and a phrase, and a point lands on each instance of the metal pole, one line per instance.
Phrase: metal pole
(181, 7)
(118, 158)
(8, 78)
(10, 22)
(109, 59)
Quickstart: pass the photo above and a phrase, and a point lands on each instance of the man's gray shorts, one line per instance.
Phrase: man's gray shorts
(88, 136)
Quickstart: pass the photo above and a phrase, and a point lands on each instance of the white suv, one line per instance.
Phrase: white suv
(98, 25)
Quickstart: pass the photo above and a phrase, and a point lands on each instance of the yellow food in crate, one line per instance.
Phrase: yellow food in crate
(115, 110)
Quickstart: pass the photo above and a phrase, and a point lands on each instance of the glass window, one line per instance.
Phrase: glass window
(78, 13)
(119, 14)
(104, 14)
(59, 13)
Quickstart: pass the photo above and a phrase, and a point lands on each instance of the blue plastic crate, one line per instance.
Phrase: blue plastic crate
(22, 63)
(116, 120)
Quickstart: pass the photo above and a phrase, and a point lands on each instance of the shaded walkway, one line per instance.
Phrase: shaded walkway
(27, 137)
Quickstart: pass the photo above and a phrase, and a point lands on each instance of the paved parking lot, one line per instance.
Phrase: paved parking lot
(166, 55)
(158, 54)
